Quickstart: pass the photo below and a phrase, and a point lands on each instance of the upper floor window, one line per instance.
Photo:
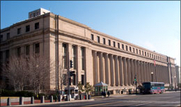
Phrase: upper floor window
(114, 44)
(92, 36)
(8, 35)
(109, 42)
(37, 48)
(7, 54)
(98, 39)
(123, 46)
(133, 50)
(145, 53)
(18, 30)
(104, 41)
(130, 49)
(27, 28)
(126, 48)
(118, 45)
(37, 25)
(1, 38)
(140, 52)
(136, 51)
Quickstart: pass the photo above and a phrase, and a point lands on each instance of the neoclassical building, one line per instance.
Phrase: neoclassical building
(96, 56)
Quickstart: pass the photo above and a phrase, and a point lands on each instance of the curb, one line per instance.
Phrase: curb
(54, 103)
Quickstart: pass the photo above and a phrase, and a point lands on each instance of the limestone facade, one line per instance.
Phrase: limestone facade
(96, 56)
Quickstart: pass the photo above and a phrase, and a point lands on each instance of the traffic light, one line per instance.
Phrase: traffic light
(71, 63)
(72, 73)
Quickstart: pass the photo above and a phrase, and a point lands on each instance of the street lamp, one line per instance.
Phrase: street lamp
(152, 76)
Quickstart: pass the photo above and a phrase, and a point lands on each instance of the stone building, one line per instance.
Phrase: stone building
(96, 56)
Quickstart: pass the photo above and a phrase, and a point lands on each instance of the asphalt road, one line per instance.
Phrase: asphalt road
(165, 99)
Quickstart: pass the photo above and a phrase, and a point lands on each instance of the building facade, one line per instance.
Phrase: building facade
(96, 56)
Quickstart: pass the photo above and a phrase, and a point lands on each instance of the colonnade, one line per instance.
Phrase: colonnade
(120, 71)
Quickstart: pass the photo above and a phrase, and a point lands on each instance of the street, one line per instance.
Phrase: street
(165, 99)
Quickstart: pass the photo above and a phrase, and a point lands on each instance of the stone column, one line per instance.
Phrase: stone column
(106, 69)
(128, 71)
(116, 71)
(95, 67)
(98, 66)
(132, 72)
(101, 67)
(112, 70)
(121, 71)
(125, 71)
(79, 64)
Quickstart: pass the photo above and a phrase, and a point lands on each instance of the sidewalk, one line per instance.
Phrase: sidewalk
(38, 102)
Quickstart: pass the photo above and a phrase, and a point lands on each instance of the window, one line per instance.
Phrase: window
(27, 49)
(37, 48)
(104, 41)
(118, 45)
(140, 52)
(19, 51)
(114, 44)
(64, 79)
(64, 46)
(123, 46)
(82, 79)
(1, 38)
(133, 50)
(136, 51)
(18, 30)
(145, 53)
(27, 28)
(7, 54)
(8, 35)
(126, 48)
(37, 25)
(92, 36)
(98, 39)
(83, 57)
(109, 42)
(130, 49)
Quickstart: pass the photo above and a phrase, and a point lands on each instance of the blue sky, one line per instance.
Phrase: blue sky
(154, 25)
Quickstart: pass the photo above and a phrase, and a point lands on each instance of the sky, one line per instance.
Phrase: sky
(154, 25)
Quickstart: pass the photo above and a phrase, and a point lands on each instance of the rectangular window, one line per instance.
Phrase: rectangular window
(136, 51)
(37, 25)
(133, 50)
(1, 38)
(130, 49)
(64, 46)
(83, 57)
(104, 41)
(98, 39)
(64, 79)
(123, 46)
(118, 45)
(37, 48)
(109, 42)
(140, 52)
(7, 54)
(19, 51)
(82, 79)
(92, 36)
(8, 35)
(27, 28)
(145, 53)
(114, 44)
(18, 30)
(27, 49)
(126, 48)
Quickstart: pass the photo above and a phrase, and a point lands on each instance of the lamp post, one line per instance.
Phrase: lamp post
(175, 82)
(152, 76)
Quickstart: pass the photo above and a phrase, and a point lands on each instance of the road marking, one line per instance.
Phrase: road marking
(105, 103)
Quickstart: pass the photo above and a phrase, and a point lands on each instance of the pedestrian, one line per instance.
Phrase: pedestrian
(55, 98)
(108, 93)
(102, 93)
